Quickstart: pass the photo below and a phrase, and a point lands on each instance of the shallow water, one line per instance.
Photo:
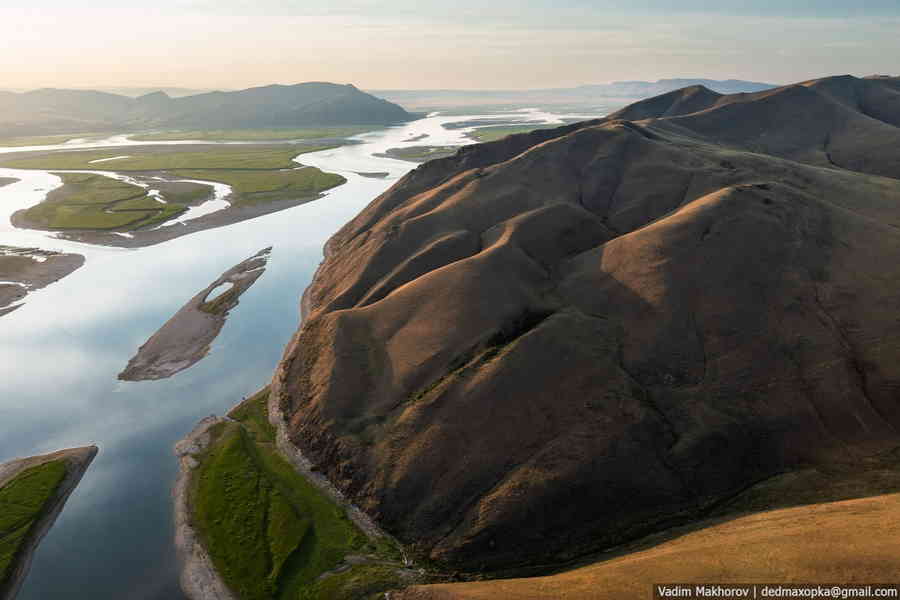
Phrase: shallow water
(60, 354)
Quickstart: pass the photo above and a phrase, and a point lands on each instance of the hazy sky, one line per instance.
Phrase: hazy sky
(447, 44)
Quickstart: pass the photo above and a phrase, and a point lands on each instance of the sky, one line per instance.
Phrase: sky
(466, 44)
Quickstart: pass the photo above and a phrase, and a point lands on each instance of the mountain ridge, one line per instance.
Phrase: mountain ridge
(50, 110)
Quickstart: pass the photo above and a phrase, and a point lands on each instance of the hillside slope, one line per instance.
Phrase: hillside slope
(825, 542)
(567, 339)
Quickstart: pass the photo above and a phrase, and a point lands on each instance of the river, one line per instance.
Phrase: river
(60, 354)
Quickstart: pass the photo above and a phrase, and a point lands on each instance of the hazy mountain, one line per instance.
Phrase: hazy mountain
(581, 95)
(62, 111)
(562, 340)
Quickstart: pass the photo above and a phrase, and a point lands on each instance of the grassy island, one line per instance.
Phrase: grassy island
(490, 134)
(23, 501)
(88, 201)
(257, 174)
(270, 532)
(419, 154)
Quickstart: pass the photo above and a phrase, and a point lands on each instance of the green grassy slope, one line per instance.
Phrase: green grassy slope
(23, 501)
(271, 533)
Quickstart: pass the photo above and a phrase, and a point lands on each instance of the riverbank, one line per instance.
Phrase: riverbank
(295, 538)
(199, 579)
(22, 546)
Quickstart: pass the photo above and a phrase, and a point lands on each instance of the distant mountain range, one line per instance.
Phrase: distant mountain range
(584, 94)
(52, 111)
(634, 89)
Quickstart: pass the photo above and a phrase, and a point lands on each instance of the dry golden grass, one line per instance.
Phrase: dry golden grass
(853, 541)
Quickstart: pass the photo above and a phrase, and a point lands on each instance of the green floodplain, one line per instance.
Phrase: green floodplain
(492, 133)
(272, 534)
(419, 154)
(89, 201)
(250, 135)
(216, 135)
(44, 140)
(424, 153)
(23, 502)
(257, 175)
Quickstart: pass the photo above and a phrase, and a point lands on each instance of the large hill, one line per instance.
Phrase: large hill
(49, 111)
(566, 339)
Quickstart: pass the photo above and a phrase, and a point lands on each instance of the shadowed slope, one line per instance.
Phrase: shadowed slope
(570, 338)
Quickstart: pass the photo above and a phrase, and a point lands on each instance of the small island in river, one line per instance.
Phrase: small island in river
(23, 270)
(186, 337)
(33, 492)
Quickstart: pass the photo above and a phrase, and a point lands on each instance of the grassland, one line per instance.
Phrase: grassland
(839, 523)
(852, 541)
(255, 186)
(23, 501)
(490, 134)
(420, 154)
(256, 174)
(253, 135)
(166, 159)
(271, 533)
(41, 140)
(89, 201)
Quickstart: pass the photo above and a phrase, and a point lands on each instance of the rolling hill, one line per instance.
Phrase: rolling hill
(564, 340)
(50, 111)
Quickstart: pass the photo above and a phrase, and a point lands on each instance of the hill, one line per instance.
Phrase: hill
(49, 111)
(825, 542)
(563, 340)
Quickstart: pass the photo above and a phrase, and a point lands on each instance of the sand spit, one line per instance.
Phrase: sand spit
(77, 461)
(24, 270)
(186, 337)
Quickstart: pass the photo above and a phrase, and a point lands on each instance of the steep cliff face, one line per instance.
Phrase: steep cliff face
(564, 339)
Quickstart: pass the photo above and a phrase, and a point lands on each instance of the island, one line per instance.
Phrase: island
(186, 338)
(33, 491)
(130, 200)
(419, 154)
(24, 270)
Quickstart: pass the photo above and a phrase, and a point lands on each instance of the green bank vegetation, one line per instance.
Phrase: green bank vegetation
(419, 154)
(89, 201)
(23, 502)
(270, 532)
(168, 158)
(256, 174)
(251, 135)
(256, 186)
(490, 134)
(43, 140)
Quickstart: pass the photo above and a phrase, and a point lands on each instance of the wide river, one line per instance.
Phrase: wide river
(60, 354)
